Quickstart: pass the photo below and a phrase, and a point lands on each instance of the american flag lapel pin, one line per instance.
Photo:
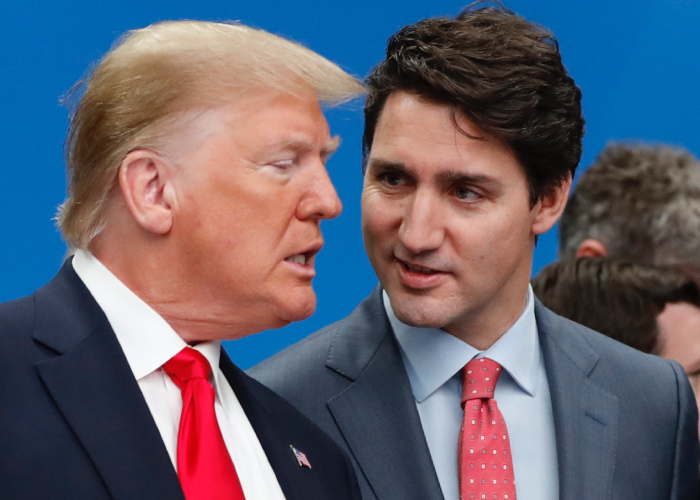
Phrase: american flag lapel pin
(301, 457)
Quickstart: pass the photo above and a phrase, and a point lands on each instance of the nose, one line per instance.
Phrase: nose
(422, 227)
(320, 200)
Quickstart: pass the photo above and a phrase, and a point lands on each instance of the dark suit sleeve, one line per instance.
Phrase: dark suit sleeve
(687, 456)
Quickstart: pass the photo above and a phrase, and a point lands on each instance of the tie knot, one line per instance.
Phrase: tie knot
(479, 379)
(186, 365)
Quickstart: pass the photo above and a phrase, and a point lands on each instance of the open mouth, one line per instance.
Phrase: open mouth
(299, 258)
(419, 269)
(305, 258)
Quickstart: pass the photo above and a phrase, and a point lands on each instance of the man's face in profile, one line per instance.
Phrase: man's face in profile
(252, 195)
(446, 218)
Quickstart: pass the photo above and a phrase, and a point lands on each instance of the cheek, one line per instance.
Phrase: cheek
(229, 235)
(375, 231)
(369, 236)
(380, 216)
(498, 240)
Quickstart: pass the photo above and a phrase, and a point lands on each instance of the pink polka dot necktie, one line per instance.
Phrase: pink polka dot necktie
(204, 464)
(485, 462)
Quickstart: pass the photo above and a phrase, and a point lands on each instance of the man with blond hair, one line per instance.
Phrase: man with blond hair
(196, 158)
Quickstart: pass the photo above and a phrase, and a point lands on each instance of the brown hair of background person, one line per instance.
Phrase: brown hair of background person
(481, 64)
(638, 202)
(618, 298)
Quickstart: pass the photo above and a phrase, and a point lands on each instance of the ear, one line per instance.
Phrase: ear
(144, 179)
(550, 207)
(591, 248)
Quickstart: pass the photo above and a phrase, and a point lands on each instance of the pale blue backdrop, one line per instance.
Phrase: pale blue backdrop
(636, 62)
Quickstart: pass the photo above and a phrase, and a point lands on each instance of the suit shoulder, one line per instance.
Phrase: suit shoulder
(609, 347)
(618, 361)
(300, 360)
(354, 340)
(17, 317)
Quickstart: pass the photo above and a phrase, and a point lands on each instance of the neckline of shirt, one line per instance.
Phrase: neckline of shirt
(433, 356)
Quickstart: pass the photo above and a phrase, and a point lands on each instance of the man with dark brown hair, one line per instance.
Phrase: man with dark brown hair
(450, 380)
(619, 298)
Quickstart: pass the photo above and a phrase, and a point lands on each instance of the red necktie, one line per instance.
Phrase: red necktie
(485, 462)
(204, 464)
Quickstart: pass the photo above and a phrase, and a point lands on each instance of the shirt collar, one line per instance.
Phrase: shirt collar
(433, 356)
(148, 341)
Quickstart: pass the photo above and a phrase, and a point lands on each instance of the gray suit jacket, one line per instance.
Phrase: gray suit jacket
(625, 422)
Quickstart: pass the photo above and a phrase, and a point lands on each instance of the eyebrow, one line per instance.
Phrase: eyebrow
(331, 146)
(454, 177)
(378, 163)
(445, 177)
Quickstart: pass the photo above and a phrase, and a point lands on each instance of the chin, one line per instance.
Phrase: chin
(419, 313)
(297, 307)
(417, 319)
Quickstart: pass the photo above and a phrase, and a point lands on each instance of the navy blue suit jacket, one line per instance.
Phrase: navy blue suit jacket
(626, 423)
(74, 423)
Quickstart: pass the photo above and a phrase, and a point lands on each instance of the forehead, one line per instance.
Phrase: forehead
(429, 137)
(258, 123)
(277, 117)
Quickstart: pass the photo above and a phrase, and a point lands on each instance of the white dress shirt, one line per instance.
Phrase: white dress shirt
(433, 360)
(148, 342)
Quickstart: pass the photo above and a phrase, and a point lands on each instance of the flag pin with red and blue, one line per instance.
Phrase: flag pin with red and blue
(301, 457)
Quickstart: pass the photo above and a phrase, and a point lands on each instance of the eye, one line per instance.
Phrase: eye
(283, 165)
(391, 179)
(466, 194)
(280, 168)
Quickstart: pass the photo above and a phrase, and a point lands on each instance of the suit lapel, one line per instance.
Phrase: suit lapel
(273, 434)
(377, 413)
(585, 415)
(95, 390)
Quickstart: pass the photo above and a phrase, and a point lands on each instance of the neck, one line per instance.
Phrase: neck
(156, 276)
(483, 327)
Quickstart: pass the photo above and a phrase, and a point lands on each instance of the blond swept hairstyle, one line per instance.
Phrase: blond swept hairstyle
(152, 77)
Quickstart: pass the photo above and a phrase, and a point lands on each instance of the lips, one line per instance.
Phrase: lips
(305, 258)
(419, 269)
(419, 277)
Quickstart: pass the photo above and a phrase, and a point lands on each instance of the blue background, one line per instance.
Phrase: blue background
(636, 62)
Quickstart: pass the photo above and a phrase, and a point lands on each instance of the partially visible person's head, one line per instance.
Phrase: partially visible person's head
(619, 298)
(196, 158)
(637, 202)
(473, 131)
(498, 70)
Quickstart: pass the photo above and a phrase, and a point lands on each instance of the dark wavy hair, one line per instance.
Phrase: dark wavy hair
(618, 298)
(501, 72)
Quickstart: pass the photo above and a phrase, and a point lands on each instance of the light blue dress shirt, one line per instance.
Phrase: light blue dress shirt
(433, 360)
